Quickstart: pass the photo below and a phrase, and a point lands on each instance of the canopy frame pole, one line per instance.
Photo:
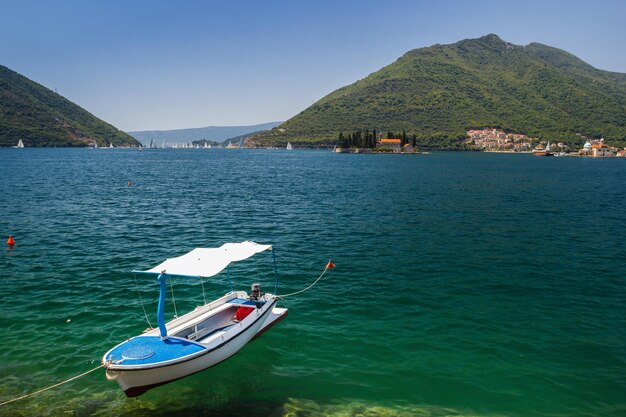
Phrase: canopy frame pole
(232, 287)
(275, 271)
(203, 293)
(141, 301)
(162, 278)
(173, 298)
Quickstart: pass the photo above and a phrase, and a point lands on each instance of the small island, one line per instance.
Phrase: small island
(376, 142)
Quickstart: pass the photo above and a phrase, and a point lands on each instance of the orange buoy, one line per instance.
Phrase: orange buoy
(10, 241)
(330, 264)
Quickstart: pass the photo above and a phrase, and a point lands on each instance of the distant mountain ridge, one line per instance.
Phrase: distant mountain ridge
(210, 133)
(41, 117)
(438, 92)
(234, 140)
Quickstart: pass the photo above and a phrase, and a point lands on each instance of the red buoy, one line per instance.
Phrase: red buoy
(10, 241)
(330, 265)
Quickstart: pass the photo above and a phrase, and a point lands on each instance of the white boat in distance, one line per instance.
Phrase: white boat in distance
(20, 144)
(289, 147)
(201, 338)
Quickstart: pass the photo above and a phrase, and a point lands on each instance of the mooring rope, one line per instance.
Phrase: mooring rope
(329, 265)
(52, 386)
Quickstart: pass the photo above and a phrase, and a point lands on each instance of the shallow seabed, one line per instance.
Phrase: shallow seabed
(467, 284)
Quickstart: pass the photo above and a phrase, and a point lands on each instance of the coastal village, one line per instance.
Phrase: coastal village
(498, 141)
(493, 140)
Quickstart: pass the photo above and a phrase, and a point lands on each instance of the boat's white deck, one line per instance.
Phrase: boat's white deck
(211, 324)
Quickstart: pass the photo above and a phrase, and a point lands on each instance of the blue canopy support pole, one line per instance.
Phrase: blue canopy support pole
(232, 287)
(161, 307)
(275, 272)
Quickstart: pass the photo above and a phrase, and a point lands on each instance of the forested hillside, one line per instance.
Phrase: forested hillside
(41, 117)
(439, 92)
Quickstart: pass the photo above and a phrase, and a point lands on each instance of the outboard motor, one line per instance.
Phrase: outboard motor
(255, 292)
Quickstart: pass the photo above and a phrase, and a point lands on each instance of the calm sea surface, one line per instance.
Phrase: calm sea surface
(466, 283)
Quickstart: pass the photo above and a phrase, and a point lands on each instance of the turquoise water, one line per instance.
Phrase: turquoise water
(466, 283)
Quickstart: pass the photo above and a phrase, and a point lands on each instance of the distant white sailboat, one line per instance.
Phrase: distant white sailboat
(289, 147)
(111, 145)
(20, 144)
(95, 144)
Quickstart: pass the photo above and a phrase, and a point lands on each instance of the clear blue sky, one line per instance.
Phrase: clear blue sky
(144, 65)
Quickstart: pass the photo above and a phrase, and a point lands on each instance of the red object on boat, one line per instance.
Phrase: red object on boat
(330, 265)
(242, 312)
(10, 241)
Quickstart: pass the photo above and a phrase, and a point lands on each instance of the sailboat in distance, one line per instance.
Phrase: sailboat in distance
(20, 144)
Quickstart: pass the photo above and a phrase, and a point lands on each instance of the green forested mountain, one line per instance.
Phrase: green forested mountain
(40, 117)
(439, 92)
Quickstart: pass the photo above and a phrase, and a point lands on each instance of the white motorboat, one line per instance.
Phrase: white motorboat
(201, 338)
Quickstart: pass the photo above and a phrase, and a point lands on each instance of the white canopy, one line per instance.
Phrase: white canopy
(206, 262)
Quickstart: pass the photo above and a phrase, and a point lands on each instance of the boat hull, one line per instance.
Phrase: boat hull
(276, 316)
(136, 381)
